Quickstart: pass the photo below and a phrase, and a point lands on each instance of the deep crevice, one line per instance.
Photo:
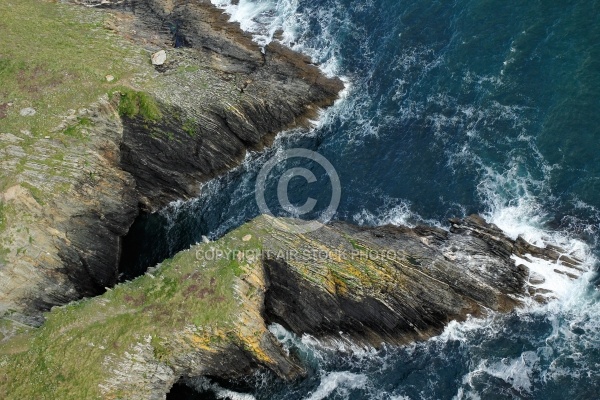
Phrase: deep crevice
(145, 245)
(181, 391)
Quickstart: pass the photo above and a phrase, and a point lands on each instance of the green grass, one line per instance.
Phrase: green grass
(54, 57)
(190, 126)
(3, 216)
(38, 194)
(5, 212)
(134, 103)
(66, 357)
(15, 332)
(188, 68)
(77, 130)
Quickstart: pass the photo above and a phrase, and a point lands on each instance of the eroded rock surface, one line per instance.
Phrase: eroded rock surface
(207, 311)
(215, 97)
(394, 284)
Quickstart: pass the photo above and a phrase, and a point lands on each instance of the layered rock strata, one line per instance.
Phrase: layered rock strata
(217, 96)
(207, 311)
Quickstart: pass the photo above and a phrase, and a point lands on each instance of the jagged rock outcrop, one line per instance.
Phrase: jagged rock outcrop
(254, 93)
(65, 223)
(217, 96)
(394, 284)
(206, 312)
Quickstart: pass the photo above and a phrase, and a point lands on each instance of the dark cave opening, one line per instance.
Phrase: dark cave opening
(181, 391)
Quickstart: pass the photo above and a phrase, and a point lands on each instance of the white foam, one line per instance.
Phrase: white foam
(259, 17)
(263, 18)
(513, 207)
(202, 384)
(171, 213)
(512, 204)
(399, 215)
(515, 372)
(231, 395)
(459, 331)
(563, 352)
(316, 349)
(339, 382)
(393, 212)
(560, 283)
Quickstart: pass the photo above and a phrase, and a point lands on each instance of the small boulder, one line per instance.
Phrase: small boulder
(109, 78)
(536, 279)
(159, 58)
(27, 112)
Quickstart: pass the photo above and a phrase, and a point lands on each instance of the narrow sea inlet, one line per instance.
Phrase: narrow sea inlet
(451, 108)
(299, 199)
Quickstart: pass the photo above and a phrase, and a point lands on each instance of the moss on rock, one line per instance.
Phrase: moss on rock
(206, 311)
(134, 103)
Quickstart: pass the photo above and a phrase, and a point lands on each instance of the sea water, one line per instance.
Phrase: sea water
(450, 108)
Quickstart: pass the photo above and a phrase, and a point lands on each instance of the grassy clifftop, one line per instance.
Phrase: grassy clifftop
(55, 57)
(77, 165)
(54, 61)
(186, 305)
(206, 311)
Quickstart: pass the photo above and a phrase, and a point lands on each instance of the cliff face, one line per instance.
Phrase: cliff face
(206, 312)
(395, 284)
(75, 192)
(234, 97)
(151, 141)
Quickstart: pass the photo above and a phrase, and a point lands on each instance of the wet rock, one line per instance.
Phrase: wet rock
(536, 279)
(367, 285)
(568, 274)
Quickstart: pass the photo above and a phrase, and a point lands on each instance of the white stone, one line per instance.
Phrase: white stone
(110, 78)
(159, 58)
(27, 112)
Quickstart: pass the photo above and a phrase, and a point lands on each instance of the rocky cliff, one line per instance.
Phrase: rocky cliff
(206, 312)
(69, 195)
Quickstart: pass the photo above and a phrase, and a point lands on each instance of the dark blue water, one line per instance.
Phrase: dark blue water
(451, 108)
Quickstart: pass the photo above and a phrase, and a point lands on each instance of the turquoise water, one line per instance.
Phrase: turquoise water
(451, 108)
